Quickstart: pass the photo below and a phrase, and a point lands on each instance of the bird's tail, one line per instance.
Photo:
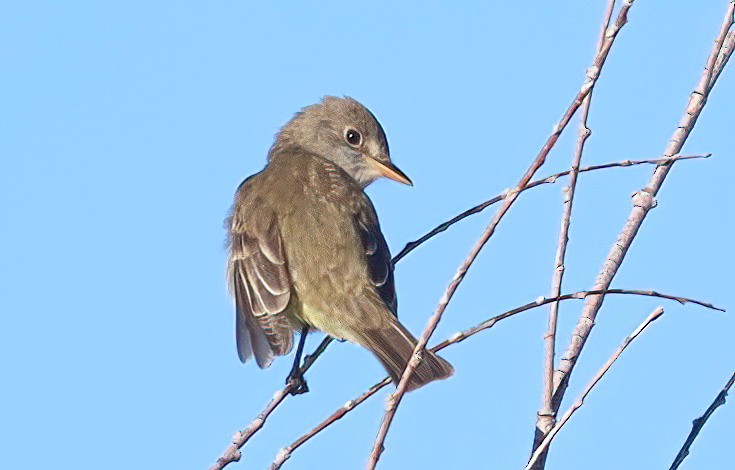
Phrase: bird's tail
(394, 346)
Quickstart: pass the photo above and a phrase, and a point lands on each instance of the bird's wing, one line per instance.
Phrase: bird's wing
(259, 280)
(377, 254)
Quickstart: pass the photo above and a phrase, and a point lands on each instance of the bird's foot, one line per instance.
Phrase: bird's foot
(297, 382)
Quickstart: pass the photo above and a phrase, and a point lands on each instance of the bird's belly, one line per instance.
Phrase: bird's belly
(329, 324)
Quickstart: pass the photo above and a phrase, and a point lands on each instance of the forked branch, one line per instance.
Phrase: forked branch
(544, 444)
(643, 201)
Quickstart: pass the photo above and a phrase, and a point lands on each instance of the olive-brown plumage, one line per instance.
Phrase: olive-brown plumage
(305, 245)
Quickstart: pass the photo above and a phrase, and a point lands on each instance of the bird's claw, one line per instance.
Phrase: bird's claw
(297, 382)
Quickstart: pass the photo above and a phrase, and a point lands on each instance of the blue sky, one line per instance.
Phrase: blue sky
(126, 127)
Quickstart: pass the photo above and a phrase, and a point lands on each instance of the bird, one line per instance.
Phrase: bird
(305, 248)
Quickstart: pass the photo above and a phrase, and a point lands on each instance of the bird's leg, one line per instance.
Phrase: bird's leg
(295, 377)
(320, 349)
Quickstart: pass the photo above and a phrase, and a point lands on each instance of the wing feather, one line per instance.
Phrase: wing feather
(377, 254)
(260, 284)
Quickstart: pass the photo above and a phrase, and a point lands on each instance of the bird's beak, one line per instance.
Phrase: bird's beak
(389, 170)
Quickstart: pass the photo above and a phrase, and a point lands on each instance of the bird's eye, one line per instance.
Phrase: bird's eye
(353, 137)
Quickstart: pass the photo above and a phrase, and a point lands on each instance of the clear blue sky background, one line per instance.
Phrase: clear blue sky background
(126, 127)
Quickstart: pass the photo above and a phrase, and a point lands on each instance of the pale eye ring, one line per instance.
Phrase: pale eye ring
(353, 137)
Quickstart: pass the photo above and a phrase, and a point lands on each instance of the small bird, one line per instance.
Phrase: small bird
(305, 247)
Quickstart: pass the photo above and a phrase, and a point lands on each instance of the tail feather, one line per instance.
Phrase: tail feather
(394, 345)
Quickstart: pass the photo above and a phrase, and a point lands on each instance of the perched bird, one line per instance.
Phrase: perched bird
(305, 247)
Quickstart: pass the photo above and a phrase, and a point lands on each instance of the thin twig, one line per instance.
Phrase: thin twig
(546, 417)
(490, 322)
(699, 423)
(643, 202)
(285, 453)
(543, 446)
(410, 246)
(395, 399)
(232, 454)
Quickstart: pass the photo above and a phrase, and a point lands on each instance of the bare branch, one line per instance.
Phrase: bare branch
(543, 446)
(232, 453)
(490, 322)
(643, 202)
(546, 415)
(410, 246)
(285, 453)
(699, 423)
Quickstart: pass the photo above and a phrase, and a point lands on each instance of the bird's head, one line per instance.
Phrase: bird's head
(345, 132)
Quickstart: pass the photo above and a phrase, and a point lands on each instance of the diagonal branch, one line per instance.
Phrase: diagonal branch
(643, 202)
(544, 444)
(592, 76)
(699, 423)
(546, 416)
(285, 453)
